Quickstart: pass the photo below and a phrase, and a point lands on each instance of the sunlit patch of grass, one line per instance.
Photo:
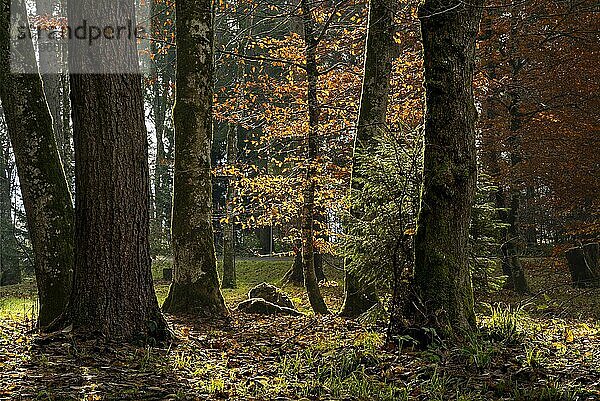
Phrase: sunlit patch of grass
(505, 322)
(534, 357)
(252, 272)
(162, 290)
(18, 308)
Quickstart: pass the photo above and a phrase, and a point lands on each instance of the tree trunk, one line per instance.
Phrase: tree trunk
(309, 185)
(113, 293)
(46, 196)
(163, 77)
(513, 239)
(442, 277)
(10, 272)
(511, 262)
(358, 297)
(52, 60)
(229, 276)
(295, 275)
(195, 288)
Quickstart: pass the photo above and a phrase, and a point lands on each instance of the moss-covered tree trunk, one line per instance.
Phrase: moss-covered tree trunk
(359, 297)
(442, 276)
(195, 287)
(10, 271)
(113, 293)
(229, 276)
(46, 197)
(307, 215)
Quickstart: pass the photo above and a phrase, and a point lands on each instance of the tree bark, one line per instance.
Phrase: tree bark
(113, 293)
(229, 276)
(46, 196)
(309, 185)
(295, 275)
(359, 297)
(195, 288)
(163, 76)
(442, 277)
(10, 271)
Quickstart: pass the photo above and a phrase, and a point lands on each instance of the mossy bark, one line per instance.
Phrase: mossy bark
(113, 293)
(442, 278)
(46, 196)
(358, 297)
(195, 287)
(307, 214)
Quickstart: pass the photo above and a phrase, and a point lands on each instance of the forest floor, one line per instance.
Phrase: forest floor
(544, 346)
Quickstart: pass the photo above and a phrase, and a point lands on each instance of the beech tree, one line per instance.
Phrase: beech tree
(358, 298)
(307, 214)
(441, 273)
(113, 293)
(195, 286)
(46, 196)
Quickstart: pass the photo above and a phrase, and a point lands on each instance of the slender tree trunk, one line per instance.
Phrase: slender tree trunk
(531, 232)
(358, 296)
(113, 293)
(309, 185)
(195, 288)
(163, 76)
(10, 272)
(52, 59)
(44, 188)
(229, 276)
(511, 248)
(295, 275)
(442, 277)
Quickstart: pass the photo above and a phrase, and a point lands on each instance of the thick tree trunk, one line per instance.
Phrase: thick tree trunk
(358, 297)
(442, 277)
(113, 292)
(307, 215)
(229, 276)
(195, 288)
(44, 188)
(10, 272)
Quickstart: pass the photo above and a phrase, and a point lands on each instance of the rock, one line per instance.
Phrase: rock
(271, 294)
(264, 307)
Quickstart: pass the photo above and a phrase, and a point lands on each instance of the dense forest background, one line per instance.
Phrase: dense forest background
(421, 178)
